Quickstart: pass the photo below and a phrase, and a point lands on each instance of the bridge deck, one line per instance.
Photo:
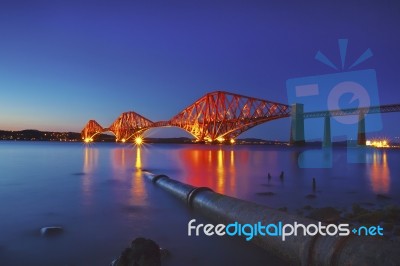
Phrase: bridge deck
(355, 111)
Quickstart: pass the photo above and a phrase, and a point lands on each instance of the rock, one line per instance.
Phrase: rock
(114, 262)
(147, 251)
(51, 230)
(327, 215)
(165, 253)
(143, 252)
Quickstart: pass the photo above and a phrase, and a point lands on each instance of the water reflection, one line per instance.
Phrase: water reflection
(138, 163)
(232, 170)
(379, 172)
(125, 160)
(241, 171)
(214, 168)
(90, 160)
(220, 172)
(119, 158)
(315, 158)
(138, 190)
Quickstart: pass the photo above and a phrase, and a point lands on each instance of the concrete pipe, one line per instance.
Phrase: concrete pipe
(298, 250)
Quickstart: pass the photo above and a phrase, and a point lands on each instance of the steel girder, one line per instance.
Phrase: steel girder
(91, 129)
(128, 124)
(221, 116)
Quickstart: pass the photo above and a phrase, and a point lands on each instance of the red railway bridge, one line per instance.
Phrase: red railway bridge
(217, 116)
(222, 116)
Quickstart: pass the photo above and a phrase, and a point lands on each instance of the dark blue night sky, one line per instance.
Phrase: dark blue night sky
(65, 62)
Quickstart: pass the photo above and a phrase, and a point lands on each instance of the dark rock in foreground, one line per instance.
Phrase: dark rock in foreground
(143, 252)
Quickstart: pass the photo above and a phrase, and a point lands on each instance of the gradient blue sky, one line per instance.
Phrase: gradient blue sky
(65, 62)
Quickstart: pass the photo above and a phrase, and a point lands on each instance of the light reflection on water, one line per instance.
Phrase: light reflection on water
(138, 190)
(99, 195)
(91, 157)
(241, 171)
(379, 172)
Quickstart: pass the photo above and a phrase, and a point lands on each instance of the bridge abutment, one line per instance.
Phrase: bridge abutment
(297, 124)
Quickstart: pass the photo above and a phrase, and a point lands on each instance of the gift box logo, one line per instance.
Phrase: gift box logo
(343, 90)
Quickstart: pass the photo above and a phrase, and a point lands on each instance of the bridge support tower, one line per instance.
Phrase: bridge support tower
(297, 126)
(361, 138)
(327, 142)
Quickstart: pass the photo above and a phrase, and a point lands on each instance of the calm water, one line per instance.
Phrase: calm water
(102, 200)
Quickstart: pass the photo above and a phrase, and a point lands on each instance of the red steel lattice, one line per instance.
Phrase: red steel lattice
(129, 124)
(217, 116)
(91, 129)
(221, 116)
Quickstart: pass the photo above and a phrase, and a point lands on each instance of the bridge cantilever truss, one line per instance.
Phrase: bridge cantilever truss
(91, 129)
(128, 124)
(217, 116)
(220, 116)
(223, 116)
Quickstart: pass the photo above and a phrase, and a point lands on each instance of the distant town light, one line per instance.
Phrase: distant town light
(378, 143)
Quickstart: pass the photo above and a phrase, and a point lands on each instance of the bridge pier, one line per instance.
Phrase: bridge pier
(327, 142)
(361, 138)
(297, 126)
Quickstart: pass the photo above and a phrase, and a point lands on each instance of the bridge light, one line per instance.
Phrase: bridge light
(232, 141)
(138, 141)
(87, 140)
(123, 140)
(220, 139)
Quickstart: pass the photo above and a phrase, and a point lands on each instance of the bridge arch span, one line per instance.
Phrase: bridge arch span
(214, 117)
